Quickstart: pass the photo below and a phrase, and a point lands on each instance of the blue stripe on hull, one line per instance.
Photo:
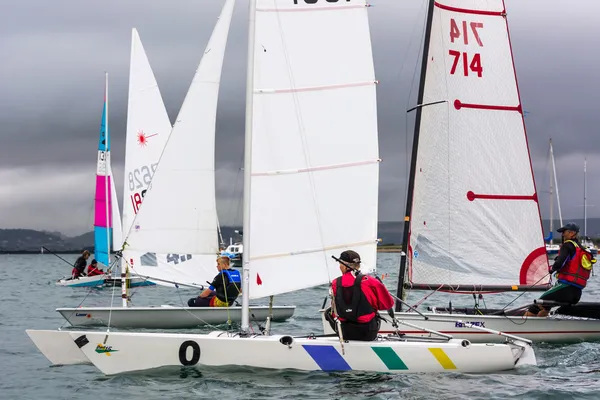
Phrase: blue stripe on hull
(87, 284)
(101, 244)
(327, 358)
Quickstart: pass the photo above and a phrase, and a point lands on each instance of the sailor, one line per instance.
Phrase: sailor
(223, 290)
(80, 264)
(573, 266)
(356, 300)
(93, 269)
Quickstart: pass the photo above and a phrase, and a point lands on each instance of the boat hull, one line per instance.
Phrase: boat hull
(102, 280)
(57, 346)
(85, 281)
(549, 330)
(167, 317)
(121, 352)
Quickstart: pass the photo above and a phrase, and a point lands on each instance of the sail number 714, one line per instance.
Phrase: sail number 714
(469, 32)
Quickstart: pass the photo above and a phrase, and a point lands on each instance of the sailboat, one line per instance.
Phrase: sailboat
(107, 219)
(311, 138)
(173, 240)
(551, 248)
(471, 178)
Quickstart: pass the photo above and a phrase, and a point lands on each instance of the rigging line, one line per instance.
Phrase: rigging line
(412, 36)
(183, 307)
(112, 297)
(417, 304)
(234, 204)
(75, 310)
(525, 291)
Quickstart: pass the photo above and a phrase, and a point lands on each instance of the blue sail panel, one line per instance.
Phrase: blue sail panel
(101, 244)
(104, 141)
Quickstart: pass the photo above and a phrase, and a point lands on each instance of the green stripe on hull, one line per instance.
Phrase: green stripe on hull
(390, 358)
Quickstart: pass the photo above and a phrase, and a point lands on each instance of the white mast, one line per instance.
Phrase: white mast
(551, 198)
(247, 168)
(556, 184)
(106, 175)
(584, 198)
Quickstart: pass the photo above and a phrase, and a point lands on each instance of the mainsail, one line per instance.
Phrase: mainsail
(475, 217)
(106, 209)
(314, 147)
(174, 233)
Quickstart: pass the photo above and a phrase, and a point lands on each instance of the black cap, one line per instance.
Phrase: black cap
(94, 261)
(350, 256)
(569, 227)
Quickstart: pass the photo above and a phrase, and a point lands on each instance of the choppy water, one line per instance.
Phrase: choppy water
(29, 298)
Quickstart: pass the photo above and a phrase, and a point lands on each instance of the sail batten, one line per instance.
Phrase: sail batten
(474, 218)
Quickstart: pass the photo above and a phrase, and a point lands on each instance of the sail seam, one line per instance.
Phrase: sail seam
(321, 249)
(304, 9)
(470, 11)
(315, 88)
(321, 168)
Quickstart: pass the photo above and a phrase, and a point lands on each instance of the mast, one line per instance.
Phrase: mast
(106, 163)
(551, 199)
(555, 183)
(584, 198)
(247, 168)
(413, 161)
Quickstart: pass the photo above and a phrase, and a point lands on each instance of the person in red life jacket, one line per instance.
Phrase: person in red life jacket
(573, 267)
(93, 269)
(79, 265)
(356, 300)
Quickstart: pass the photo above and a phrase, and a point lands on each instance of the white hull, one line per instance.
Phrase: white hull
(58, 347)
(167, 317)
(122, 352)
(550, 330)
(85, 281)
(101, 280)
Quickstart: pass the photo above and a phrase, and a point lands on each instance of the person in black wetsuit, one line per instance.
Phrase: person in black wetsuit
(80, 264)
(223, 290)
(573, 266)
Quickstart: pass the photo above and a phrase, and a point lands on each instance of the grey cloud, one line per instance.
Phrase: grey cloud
(55, 53)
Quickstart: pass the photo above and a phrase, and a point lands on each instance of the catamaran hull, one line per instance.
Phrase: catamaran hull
(549, 330)
(57, 347)
(122, 352)
(167, 317)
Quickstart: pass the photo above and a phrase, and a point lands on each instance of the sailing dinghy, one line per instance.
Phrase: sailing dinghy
(107, 220)
(311, 131)
(471, 179)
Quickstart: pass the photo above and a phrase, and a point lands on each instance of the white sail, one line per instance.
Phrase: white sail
(117, 229)
(148, 128)
(314, 169)
(475, 216)
(175, 232)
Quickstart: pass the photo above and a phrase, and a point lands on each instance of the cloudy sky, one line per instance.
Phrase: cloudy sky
(54, 54)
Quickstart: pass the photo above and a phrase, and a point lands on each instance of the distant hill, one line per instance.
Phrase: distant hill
(31, 241)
